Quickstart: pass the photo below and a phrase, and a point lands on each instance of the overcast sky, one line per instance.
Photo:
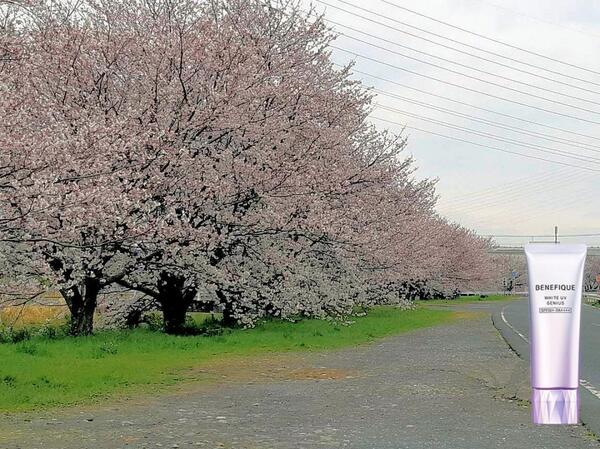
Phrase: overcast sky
(491, 191)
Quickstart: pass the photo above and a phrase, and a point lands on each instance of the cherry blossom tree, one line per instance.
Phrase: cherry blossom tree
(66, 164)
(179, 146)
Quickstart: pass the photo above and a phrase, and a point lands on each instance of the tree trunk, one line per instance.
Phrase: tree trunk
(175, 300)
(174, 314)
(228, 318)
(226, 303)
(81, 301)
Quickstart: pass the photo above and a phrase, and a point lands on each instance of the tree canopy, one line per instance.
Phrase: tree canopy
(173, 146)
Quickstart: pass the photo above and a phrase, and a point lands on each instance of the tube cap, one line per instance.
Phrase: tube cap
(560, 406)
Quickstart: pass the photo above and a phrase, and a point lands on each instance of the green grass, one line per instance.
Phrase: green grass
(471, 299)
(42, 373)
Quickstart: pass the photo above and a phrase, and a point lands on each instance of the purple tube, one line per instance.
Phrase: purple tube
(555, 287)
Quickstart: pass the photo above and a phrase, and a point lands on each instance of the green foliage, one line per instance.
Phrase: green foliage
(196, 323)
(154, 321)
(42, 372)
(49, 331)
(12, 335)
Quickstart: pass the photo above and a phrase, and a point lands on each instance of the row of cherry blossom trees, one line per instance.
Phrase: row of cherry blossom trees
(173, 146)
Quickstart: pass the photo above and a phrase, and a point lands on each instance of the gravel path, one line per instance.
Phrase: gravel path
(453, 386)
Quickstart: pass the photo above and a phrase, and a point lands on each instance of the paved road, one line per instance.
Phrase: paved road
(513, 321)
(456, 386)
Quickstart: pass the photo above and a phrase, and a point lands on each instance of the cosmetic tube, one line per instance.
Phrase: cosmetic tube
(555, 274)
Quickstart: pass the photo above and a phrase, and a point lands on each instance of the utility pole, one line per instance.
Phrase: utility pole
(555, 234)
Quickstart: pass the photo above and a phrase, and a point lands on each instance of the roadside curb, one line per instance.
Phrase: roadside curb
(512, 339)
(590, 404)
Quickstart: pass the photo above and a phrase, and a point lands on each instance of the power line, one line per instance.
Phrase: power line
(487, 216)
(514, 117)
(468, 88)
(508, 58)
(491, 39)
(466, 75)
(506, 78)
(512, 67)
(533, 191)
(509, 192)
(541, 148)
(500, 199)
(503, 150)
(496, 192)
(515, 129)
(555, 139)
(583, 195)
(521, 197)
(517, 183)
(526, 214)
(539, 19)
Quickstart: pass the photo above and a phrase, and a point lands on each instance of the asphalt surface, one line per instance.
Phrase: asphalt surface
(513, 322)
(452, 386)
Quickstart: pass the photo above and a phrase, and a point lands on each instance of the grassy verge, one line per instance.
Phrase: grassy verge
(42, 373)
(471, 299)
